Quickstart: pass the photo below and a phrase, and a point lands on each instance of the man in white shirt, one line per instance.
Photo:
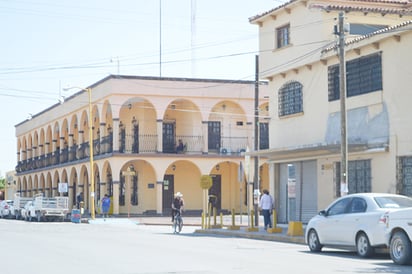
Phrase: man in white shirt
(266, 205)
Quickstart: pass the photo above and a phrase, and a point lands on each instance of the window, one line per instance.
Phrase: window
(404, 169)
(363, 75)
(359, 177)
(263, 135)
(340, 207)
(134, 191)
(282, 36)
(358, 205)
(290, 99)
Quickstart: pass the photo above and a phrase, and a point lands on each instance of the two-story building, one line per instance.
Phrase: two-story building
(299, 57)
(136, 124)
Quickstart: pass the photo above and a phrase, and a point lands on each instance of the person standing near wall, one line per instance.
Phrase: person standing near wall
(105, 206)
(266, 205)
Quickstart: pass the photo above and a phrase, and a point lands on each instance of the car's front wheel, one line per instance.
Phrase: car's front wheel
(363, 247)
(313, 241)
(400, 249)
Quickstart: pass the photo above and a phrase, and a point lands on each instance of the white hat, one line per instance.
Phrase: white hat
(178, 194)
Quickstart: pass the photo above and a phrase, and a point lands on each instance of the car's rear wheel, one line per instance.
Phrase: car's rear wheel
(313, 241)
(363, 247)
(400, 249)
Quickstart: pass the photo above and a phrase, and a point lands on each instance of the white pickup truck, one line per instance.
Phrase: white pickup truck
(46, 208)
(18, 205)
(399, 235)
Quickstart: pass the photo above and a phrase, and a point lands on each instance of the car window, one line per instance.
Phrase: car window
(339, 207)
(358, 205)
(393, 201)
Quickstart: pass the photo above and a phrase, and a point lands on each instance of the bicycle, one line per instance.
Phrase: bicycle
(177, 222)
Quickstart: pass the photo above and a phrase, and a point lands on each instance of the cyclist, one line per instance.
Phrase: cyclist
(177, 205)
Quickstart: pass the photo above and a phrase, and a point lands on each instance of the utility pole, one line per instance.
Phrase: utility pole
(342, 93)
(256, 160)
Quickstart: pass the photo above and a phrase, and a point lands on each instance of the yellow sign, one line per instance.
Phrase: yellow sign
(206, 182)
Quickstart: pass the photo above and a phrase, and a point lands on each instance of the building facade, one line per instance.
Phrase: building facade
(136, 124)
(300, 59)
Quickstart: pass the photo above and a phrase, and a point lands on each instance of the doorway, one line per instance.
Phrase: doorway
(168, 193)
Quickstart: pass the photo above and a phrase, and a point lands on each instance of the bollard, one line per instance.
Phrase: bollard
(252, 228)
(233, 226)
(274, 228)
(215, 225)
(295, 229)
(208, 215)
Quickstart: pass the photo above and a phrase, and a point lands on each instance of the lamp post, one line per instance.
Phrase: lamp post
(92, 209)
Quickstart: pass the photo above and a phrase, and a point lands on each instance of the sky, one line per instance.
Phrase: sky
(48, 45)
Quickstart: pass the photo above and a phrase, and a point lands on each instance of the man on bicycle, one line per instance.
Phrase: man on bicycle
(177, 205)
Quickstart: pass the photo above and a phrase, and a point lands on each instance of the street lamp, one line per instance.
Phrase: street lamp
(89, 91)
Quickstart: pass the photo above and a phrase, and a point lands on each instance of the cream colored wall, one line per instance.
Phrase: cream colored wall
(308, 127)
(187, 181)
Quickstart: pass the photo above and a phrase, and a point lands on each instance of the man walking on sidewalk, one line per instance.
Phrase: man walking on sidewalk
(266, 205)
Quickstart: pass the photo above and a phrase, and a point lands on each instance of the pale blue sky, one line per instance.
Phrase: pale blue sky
(47, 45)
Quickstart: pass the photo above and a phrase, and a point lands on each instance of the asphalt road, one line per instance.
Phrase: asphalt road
(125, 247)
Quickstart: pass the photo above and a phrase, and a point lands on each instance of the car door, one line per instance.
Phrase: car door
(331, 227)
(352, 221)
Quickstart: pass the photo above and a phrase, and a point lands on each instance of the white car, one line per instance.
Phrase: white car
(6, 209)
(27, 212)
(354, 222)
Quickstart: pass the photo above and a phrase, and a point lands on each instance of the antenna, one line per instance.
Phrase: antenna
(193, 35)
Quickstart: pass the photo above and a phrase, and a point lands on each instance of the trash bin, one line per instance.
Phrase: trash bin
(75, 216)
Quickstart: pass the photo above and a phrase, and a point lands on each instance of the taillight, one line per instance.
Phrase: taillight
(6, 206)
(384, 219)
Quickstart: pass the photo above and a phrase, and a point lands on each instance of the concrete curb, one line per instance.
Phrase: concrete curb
(261, 235)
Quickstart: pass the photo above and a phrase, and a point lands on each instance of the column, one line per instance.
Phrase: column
(250, 130)
(103, 133)
(116, 135)
(159, 123)
(116, 185)
(205, 133)
(159, 197)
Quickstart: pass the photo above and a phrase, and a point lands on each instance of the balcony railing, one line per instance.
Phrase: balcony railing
(146, 143)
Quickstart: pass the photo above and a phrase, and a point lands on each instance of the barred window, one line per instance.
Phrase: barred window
(290, 99)
(359, 176)
(404, 171)
(363, 75)
(282, 36)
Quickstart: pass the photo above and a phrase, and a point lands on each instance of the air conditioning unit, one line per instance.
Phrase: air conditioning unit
(225, 151)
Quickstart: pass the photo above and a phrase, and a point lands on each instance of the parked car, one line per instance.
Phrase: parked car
(6, 209)
(399, 235)
(354, 222)
(27, 212)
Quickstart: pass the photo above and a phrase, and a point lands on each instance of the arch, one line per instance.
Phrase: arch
(230, 131)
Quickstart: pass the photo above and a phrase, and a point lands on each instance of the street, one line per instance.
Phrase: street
(124, 247)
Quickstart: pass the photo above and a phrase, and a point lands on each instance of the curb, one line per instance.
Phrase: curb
(256, 236)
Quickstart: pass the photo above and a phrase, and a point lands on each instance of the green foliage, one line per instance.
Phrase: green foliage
(2, 183)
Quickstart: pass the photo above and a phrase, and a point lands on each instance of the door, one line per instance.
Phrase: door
(169, 138)
(135, 148)
(263, 135)
(167, 193)
(213, 136)
(215, 192)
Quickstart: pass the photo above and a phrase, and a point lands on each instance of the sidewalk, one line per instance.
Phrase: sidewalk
(224, 229)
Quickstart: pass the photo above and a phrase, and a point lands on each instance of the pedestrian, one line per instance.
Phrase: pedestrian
(180, 147)
(105, 206)
(266, 205)
(79, 199)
